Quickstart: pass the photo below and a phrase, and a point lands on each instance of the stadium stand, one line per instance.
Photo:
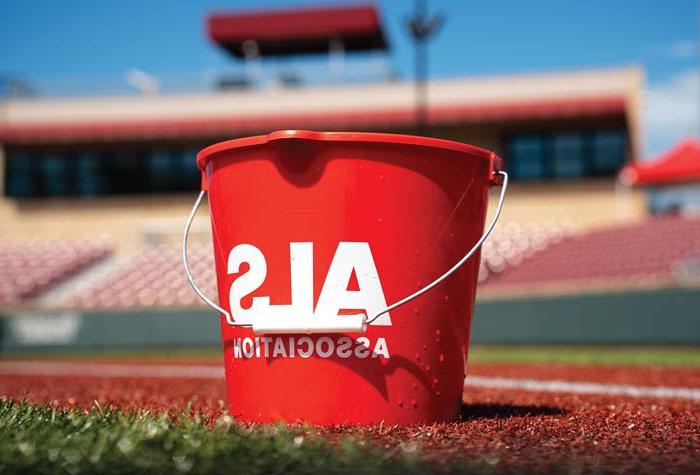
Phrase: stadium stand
(648, 251)
(30, 267)
(151, 278)
(513, 242)
(517, 254)
(154, 278)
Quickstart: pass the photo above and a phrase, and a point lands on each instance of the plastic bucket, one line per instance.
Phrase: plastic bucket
(316, 236)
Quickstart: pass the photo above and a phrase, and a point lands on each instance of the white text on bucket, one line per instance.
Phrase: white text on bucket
(349, 257)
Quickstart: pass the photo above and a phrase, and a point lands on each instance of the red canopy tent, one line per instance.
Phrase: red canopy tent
(679, 165)
(299, 31)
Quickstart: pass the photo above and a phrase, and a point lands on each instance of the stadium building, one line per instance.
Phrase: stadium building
(77, 167)
(564, 137)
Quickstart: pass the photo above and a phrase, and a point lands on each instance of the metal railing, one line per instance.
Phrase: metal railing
(261, 75)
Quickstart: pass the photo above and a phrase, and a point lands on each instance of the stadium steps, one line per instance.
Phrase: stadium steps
(644, 253)
(62, 293)
(30, 267)
(153, 277)
(512, 243)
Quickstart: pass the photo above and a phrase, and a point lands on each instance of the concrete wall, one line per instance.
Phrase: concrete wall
(126, 219)
(585, 204)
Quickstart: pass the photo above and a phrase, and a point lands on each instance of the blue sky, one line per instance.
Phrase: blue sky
(43, 40)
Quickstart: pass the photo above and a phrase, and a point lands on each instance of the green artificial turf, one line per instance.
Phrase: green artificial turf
(46, 440)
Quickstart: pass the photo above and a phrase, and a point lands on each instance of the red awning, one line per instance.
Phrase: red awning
(680, 164)
(387, 119)
(299, 31)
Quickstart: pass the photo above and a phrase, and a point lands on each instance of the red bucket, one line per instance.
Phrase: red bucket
(333, 252)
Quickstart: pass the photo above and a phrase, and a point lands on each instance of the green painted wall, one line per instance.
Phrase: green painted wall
(660, 316)
(666, 316)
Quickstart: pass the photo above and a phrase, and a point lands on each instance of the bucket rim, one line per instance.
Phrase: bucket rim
(206, 154)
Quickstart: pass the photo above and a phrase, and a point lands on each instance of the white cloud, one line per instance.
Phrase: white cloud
(678, 51)
(683, 49)
(671, 111)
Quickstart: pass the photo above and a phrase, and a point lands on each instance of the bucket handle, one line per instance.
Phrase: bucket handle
(188, 274)
(418, 293)
(465, 258)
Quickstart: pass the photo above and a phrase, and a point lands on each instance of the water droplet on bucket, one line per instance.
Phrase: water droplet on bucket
(381, 177)
(416, 311)
(428, 368)
(438, 332)
(401, 402)
(441, 358)
(437, 340)
(414, 403)
(380, 220)
(435, 381)
(415, 385)
(452, 235)
(447, 297)
(418, 356)
(437, 393)
(425, 347)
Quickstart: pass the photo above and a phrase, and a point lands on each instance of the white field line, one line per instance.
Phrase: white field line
(110, 370)
(554, 386)
(121, 370)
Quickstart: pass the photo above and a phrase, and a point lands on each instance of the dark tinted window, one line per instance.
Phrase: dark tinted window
(574, 154)
(527, 157)
(55, 178)
(568, 156)
(19, 174)
(89, 176)
(99, 172)
(609, 150)
(188, 173)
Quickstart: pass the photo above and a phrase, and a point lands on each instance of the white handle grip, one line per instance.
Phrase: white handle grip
(340, 324)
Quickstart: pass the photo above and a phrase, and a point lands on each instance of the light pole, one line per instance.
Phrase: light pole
(422, 27)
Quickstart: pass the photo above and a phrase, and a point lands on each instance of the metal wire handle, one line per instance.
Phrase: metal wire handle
(188, 274)
(459, 263)
(418, 293)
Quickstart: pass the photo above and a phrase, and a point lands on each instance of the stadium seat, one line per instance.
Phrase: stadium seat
(32, 266)
(152, 278)
(649, 250)
(513, 243)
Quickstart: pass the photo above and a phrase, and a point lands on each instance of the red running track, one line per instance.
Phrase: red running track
(509, 428)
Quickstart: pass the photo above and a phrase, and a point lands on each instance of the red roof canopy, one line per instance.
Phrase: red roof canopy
(385, 119)
(680, 164)
(299, 31)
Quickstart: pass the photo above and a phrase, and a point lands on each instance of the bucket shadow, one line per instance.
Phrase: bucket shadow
(376, 371)
(473, 412)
